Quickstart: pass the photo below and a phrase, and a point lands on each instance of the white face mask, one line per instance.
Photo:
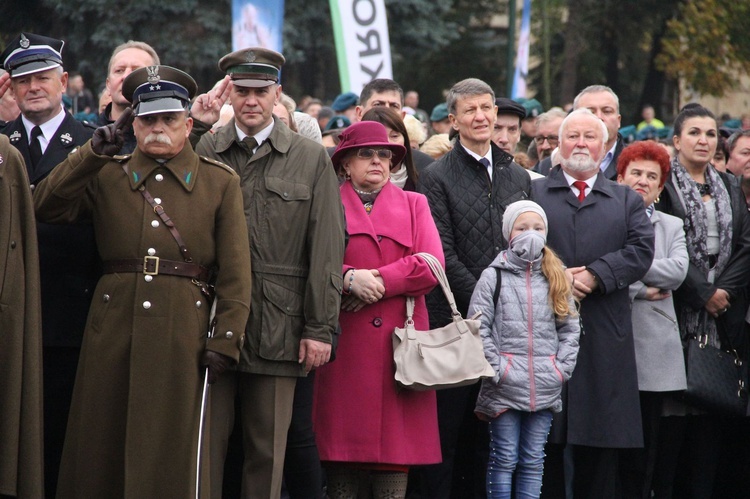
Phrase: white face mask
(528, 245)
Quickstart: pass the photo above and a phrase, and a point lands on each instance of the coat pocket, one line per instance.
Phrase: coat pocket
(108, 294)
(282, 321)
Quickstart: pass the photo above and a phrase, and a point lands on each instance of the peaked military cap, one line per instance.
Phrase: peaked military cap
(253, 67)
(158, 89)
(29, 53)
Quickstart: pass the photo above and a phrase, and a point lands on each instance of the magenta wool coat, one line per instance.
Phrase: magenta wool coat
(359, 415)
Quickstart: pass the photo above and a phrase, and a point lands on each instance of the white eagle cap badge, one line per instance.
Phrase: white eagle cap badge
(153, 74)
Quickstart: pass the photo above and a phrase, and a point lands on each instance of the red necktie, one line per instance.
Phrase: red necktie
(581, 186)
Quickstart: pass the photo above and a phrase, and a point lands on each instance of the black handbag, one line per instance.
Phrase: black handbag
(716, 378)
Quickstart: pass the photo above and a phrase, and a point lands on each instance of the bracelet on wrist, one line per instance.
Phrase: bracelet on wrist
(351, 281)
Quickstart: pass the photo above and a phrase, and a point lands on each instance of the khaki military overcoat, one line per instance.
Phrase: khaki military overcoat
(20, 334)
(133, 424)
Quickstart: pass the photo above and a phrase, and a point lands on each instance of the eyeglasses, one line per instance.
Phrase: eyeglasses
(552, 139)
(369, 153)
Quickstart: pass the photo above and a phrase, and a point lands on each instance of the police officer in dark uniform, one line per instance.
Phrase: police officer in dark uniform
(45, 133)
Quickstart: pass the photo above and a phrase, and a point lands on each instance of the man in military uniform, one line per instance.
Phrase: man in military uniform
(167, 221)
(20, 334)
(45, 133)
(296, 224)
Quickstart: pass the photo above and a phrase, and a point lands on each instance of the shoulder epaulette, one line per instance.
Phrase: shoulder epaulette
(217, 163)
(121, 158)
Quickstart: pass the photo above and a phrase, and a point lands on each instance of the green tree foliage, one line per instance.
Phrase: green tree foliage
(189, 34)
(601, 42)
(707, 45)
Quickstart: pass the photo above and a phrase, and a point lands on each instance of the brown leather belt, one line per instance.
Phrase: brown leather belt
(153, 265)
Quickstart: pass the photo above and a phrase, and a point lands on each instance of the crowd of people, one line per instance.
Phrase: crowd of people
(199, 289)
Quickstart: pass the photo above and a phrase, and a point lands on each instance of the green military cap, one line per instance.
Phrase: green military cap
(253, 67)
(158, 89)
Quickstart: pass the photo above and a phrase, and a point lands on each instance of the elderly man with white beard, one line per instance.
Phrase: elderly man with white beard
(602, 233)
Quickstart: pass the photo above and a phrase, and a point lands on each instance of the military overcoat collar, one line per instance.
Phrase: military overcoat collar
(184, 167)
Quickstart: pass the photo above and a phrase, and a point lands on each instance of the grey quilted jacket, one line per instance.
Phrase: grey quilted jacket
(530, 369)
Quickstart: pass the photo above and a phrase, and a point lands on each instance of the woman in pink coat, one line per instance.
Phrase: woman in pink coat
(366, 428)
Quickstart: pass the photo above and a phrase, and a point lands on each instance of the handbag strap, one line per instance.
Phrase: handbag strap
(724, 337)
(439, 273)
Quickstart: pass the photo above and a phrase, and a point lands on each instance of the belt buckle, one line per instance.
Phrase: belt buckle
(155, 260)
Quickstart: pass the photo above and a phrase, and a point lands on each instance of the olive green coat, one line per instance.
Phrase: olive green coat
(133, 424)
(21, 438)
(296, 224)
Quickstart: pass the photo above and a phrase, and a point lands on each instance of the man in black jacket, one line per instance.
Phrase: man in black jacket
(468, 190)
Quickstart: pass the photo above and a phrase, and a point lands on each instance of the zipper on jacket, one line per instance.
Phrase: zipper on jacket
(663, 314)
(530, 321)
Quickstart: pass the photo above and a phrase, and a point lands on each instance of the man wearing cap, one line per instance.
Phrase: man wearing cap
(439, 119)
(507, 130)
(296, 225)
(45, 134)
(468, 190)
(168, 223)
(346, 105)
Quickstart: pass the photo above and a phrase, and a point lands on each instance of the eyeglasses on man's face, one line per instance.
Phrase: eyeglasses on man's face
(552, 139)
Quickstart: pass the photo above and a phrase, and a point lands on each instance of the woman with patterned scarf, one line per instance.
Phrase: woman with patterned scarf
(713, 299)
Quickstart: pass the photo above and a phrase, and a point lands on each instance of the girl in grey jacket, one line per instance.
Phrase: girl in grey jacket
(531, 340)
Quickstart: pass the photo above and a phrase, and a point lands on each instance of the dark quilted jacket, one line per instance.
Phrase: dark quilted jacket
(468, 211)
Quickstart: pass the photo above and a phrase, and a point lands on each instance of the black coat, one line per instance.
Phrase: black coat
(695, 291)
(610, 234)
(68, 261)
(468, 211)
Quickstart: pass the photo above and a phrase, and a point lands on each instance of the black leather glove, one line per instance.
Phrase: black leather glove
(216, 363)
(108, 140)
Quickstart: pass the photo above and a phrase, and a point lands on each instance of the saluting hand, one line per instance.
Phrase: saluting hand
(207, 107)
(109, 139)
(4, 84)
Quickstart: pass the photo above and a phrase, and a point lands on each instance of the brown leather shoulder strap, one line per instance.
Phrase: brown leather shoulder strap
(159, 210)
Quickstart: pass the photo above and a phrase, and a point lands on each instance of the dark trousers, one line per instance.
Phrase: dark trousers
(60, 365)
(302, 470)
(688, 457)
(596, 473)
(464, 441)
(637, 465)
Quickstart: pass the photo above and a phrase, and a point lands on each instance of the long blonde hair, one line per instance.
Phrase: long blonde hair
(559, 287)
